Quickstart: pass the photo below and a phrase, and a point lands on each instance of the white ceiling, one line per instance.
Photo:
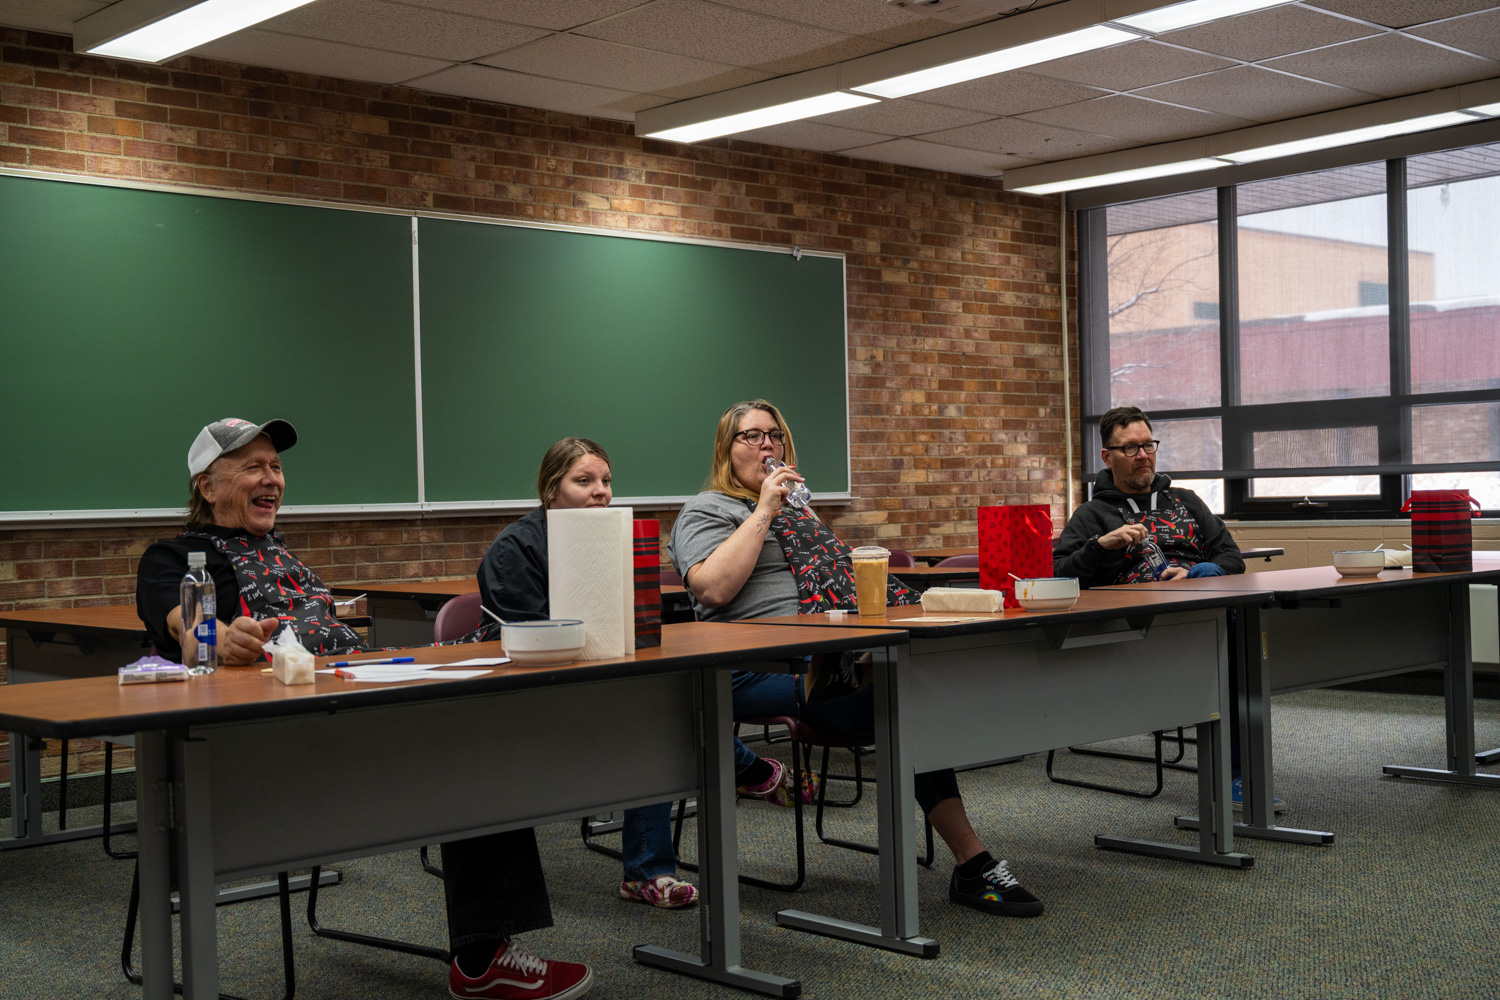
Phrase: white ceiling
(611, 58)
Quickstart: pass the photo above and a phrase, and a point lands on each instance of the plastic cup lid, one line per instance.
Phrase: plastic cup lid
(870, 552)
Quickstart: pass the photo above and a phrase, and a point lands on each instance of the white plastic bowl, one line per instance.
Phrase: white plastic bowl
(544, 643)
(1050, 593)
(1359, 562)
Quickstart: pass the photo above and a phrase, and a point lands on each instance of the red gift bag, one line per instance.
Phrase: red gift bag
(646, 549)
(1442, 537)
(1014, 538)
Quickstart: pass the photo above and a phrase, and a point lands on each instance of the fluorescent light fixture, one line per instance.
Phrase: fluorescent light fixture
(1349, 137)
(776, 114)
(1000, 61)
(1488, 110)
(155, 31)
(1183, 15)
(1123, 176)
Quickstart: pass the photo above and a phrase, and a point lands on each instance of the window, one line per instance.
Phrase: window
(1336, 373)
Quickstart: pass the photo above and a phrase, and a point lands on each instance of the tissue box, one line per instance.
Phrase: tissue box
(962, 600)
(293, 665)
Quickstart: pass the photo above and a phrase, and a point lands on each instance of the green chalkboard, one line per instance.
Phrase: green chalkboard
(131, 318)
(530, 335)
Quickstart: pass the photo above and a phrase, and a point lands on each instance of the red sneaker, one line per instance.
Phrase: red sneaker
(516, 972)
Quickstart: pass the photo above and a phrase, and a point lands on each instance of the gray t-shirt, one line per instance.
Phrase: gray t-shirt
(705, 523)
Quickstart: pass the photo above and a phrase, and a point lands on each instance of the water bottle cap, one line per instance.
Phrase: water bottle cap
(197, 560)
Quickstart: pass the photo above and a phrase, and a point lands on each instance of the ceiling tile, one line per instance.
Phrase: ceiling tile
(903, 117)
(396, 27)
(1402, 13)
(313, 55)
(622, 67)
(1478, 33)
(1132, 118)
(47, 15)
(848, 17)
(1014, 137)
(505, 87)
(727, 35)
(933, 156)
(1255, 94)
(1387, 65)
(811, 135)
(1269, 33)
(1011, 94)
(1129, 66)
(558, 15)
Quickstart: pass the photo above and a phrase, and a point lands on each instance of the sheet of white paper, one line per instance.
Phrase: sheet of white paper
(942, 618)
(400, 668)
(480, 661)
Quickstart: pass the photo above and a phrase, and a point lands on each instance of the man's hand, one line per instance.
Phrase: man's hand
(1124, 536)
(242, 642)
(1175, 573)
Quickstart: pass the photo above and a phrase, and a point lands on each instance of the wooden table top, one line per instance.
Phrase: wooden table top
(455, 587)
(1092, 604)
(1310, 581)
(119, 619)
(99, 705)
(935, 571)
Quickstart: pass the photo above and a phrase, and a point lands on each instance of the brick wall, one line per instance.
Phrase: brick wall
(954, 325)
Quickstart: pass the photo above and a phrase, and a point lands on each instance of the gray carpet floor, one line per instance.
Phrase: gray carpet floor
(1402, 905)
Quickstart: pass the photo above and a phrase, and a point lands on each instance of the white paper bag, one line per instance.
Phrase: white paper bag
(962, 599)
(591, 576)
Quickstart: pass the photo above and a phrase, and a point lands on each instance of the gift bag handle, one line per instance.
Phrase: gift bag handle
(1040, 523)
(1473, 501)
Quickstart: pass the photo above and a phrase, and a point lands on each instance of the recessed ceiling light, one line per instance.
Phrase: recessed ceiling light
(177, 29)
(776, 114)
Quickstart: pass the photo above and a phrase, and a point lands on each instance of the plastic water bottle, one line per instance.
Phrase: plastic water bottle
(200, 627)
(1156, 563)
(798, 495)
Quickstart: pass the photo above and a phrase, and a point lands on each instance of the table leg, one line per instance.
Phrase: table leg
(718, 859)
(153, 831)
(1215, 839)
(897, 835)
(1250, 649)
(1458, 695)
(193, 826)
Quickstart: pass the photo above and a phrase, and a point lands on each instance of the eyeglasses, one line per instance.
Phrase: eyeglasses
(754, 438)
(1131, 450)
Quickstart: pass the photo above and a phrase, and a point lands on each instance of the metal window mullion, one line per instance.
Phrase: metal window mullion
(1235, 439)
(1398, 281)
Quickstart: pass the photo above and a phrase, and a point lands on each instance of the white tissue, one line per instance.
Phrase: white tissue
(591, 576)
(291, 663)
(961, 599)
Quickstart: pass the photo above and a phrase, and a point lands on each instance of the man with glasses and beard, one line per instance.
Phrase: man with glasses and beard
(1102, 542)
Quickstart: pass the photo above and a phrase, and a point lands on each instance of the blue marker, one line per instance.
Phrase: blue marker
(366, 663)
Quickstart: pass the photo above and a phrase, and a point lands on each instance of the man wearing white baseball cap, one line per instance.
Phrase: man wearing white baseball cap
(494, 884)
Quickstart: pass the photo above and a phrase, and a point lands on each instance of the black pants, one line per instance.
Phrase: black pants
(495, 888)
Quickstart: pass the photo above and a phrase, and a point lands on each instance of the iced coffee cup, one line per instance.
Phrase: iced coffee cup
(871, 564)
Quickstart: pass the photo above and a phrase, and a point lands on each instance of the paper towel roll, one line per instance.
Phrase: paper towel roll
(591, 576)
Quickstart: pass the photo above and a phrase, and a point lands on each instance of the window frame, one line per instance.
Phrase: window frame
(1389, 413)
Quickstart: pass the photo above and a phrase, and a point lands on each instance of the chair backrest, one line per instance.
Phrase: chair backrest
(458, 617)
(671, 577)
(901, 557)
(967, 559)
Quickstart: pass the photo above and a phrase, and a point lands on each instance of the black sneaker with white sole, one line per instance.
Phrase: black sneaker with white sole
(994, 890)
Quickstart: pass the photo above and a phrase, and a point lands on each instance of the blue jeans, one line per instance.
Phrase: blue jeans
(646, 842)
(757, 694)
(1206, 569)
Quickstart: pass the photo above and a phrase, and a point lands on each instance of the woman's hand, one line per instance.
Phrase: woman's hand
(774, 488)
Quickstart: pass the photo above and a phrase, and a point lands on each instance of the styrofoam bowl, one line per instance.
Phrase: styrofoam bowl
(1359, 562)
(551, 642)
(1048, 593)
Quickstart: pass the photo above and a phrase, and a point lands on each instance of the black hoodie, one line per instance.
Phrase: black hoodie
(1078, 552)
